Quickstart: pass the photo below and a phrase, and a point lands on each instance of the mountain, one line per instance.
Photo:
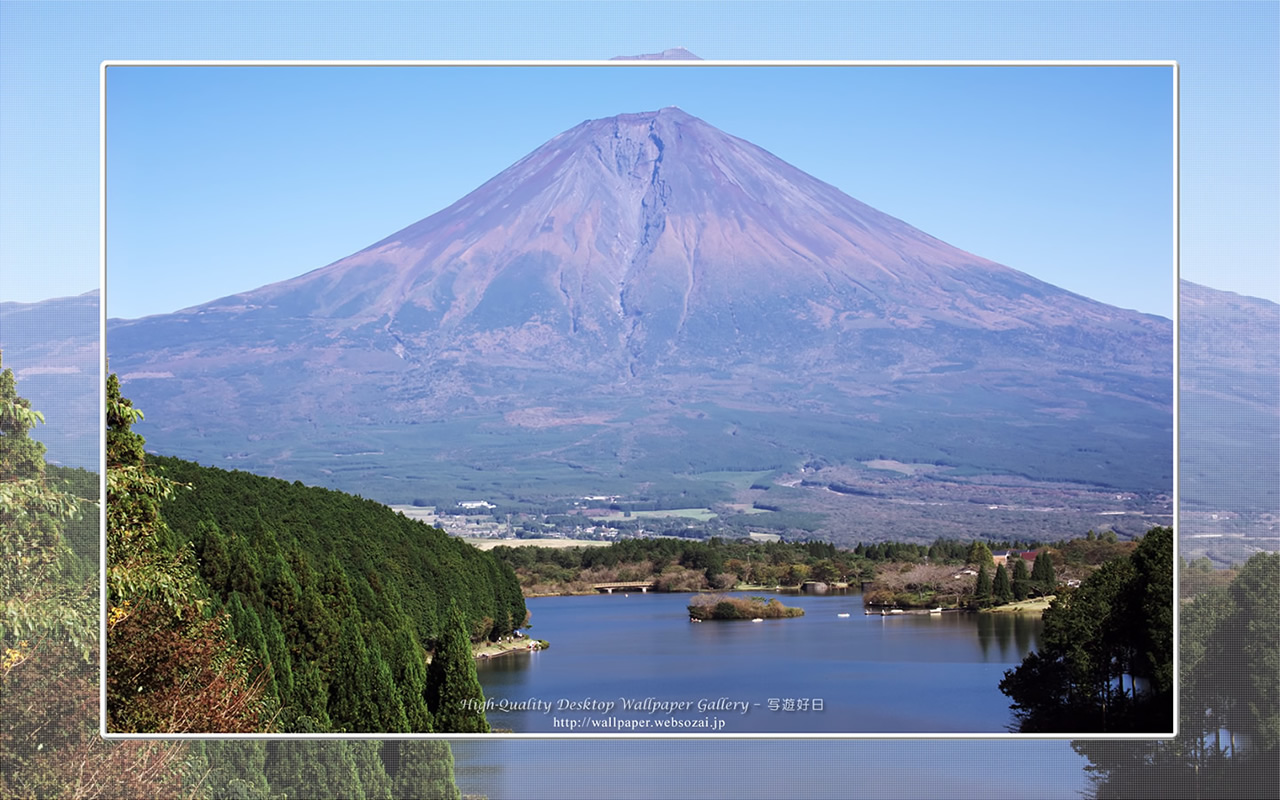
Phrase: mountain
(1230, 381)
(640, 301)
(670, 54)
(52, 348)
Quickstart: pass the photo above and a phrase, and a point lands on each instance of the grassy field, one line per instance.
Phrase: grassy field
(489, 544)
(1035, 606)
(699, 514)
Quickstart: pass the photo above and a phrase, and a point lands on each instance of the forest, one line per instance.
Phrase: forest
(49, 679)
(334, 591)
(328, 604)
(889, 573)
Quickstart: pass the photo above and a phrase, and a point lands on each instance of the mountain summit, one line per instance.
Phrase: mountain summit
(649, 272)
(649, 234)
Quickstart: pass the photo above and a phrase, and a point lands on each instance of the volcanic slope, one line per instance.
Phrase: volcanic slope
(641, 299)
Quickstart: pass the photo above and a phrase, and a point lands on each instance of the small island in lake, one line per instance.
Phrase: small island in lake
(718, 606)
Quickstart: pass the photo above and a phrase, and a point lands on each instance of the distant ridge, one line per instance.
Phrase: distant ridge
(672, 54)
(52, 348)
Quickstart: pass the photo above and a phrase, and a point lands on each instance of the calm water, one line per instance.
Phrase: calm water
(868, 674)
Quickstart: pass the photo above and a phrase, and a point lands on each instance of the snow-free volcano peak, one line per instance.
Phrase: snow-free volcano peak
(659, 220)
(645, 296)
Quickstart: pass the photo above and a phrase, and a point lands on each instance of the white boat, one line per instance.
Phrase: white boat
(757, 619)
(842, 615)
(937, 610)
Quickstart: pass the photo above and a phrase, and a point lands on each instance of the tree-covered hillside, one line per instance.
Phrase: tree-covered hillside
(49, 679)
(342, 596)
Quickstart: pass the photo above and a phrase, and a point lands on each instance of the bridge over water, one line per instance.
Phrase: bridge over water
(625, 586)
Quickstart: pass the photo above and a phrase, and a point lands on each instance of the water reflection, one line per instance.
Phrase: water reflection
(1007, 637)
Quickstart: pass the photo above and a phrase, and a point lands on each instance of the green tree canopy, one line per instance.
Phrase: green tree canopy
(1021, 583)
(1098, 641)
(982, 587)
(454, 696)
(1043, 578)
(979, 555)
(1001, 590)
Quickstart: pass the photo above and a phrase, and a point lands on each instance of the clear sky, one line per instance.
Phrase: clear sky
(1230, 178)
(221, 179)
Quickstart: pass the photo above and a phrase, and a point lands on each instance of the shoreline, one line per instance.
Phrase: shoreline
(523, 644)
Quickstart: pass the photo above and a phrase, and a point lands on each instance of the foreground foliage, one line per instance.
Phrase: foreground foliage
(49, 742)
(1228, 743)
(1117, 627)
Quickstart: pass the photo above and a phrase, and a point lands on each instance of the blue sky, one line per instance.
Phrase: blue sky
(232, 177)
(1228, 52)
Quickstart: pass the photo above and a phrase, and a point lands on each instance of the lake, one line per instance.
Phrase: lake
(635, 663)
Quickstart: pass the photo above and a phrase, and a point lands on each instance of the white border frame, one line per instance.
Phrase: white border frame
(620, 64)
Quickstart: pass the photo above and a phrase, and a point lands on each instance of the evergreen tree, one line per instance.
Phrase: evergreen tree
(170, 668)
(1210, 758)
(979, 555)
(982, 587)
(1150, 603)
(1249, 640)
(454, 696)
(1043, 579)
(305, 768)
(409, 675)
(350, 675)
(1097, 639)
(420, 768)
(374, 781)
(215, 561)
(1001, 591)
(229, 769)
(1021, 580)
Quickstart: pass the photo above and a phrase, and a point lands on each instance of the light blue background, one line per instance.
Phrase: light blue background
(1230, 187)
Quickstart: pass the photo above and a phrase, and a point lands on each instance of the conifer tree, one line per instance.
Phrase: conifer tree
(304, 768)
(454, 696)
(982, 587)
(1001, 591)
(979, 555)
(420, 768)
(1021, 580)
(1043, 579)
(215, 561)
(170, 668)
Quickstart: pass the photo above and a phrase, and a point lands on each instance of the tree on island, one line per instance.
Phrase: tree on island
(1001, 591)
(454, 696)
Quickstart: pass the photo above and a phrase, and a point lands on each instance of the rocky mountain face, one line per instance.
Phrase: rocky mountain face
(641, 300)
